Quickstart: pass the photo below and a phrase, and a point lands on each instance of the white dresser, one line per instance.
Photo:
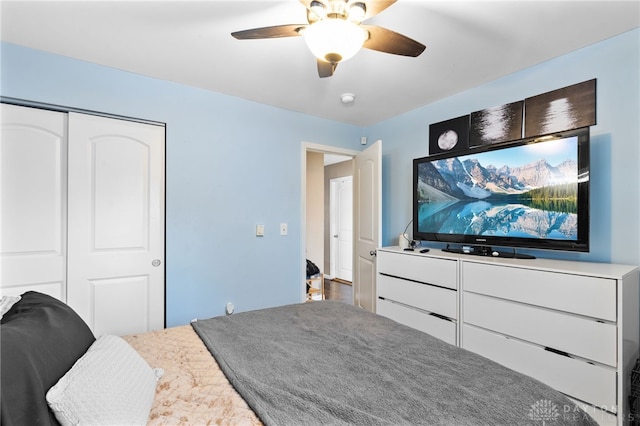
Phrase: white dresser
(419, 291)
(573, 325)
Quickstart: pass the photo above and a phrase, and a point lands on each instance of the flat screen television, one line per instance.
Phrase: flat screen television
(532, 193)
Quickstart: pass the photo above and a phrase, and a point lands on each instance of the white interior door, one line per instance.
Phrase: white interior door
(333, 227)
(33, 185)
(367, 183)
(116, 224)
(342, 228)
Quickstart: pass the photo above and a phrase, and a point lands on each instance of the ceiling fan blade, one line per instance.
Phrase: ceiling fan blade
(384, 40)
(325, 69)
(277, 31)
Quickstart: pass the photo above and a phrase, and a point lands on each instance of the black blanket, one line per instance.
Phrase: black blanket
(329, 363)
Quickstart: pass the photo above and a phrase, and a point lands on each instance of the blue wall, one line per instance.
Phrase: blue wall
(615, 142)
(232, 163)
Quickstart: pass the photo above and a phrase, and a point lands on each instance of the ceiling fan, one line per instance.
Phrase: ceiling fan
(335, 32)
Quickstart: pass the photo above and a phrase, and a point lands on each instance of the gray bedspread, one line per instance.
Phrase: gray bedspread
(329, 363)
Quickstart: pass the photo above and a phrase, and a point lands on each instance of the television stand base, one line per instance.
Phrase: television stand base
(486, 251)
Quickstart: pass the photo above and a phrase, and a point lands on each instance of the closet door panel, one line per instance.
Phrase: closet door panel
(116, 217)
(33, 150)
(131, 314)
(120, 173)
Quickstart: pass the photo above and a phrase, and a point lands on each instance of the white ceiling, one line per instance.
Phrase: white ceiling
(468, 43)
(330, 159)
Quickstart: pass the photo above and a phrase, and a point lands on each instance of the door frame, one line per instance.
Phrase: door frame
(324, 149)
(66, 109)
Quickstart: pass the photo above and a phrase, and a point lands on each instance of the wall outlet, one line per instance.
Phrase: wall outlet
(259, 230)
(284, 229)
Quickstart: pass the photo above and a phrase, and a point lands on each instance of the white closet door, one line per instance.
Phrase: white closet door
(116, 224)
(33, 182)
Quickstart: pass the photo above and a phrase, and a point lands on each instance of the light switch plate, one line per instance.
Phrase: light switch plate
(259, 230)
(284, 229)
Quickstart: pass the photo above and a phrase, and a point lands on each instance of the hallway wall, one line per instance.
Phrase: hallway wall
(315, 208)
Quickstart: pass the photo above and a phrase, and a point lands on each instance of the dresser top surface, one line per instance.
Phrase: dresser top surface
(604, 270)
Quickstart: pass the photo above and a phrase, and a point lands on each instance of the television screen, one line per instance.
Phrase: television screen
(531, 193)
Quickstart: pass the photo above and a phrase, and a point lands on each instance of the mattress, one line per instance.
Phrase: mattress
(193, 390)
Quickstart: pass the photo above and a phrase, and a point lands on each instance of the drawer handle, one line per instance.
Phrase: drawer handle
(442, 317)
(557, 351)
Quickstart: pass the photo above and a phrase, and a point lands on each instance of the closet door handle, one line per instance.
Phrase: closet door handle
(156, 262)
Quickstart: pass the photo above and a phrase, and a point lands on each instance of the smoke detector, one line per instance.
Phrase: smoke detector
(347, 98)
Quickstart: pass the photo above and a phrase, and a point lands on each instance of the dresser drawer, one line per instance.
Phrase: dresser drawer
(583, 295)
(591, 383)
(441, 328)
(603, 418)
(430, 298)
(415, 267)
(576, 335)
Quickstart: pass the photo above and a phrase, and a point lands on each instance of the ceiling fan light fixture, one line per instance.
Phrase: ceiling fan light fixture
(318, 8)
(357, 11)
(334, 40)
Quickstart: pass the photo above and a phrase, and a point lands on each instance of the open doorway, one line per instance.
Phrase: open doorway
(329, 219)
(367, 214)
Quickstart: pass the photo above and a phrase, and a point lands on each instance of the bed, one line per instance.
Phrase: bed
(321, 363)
